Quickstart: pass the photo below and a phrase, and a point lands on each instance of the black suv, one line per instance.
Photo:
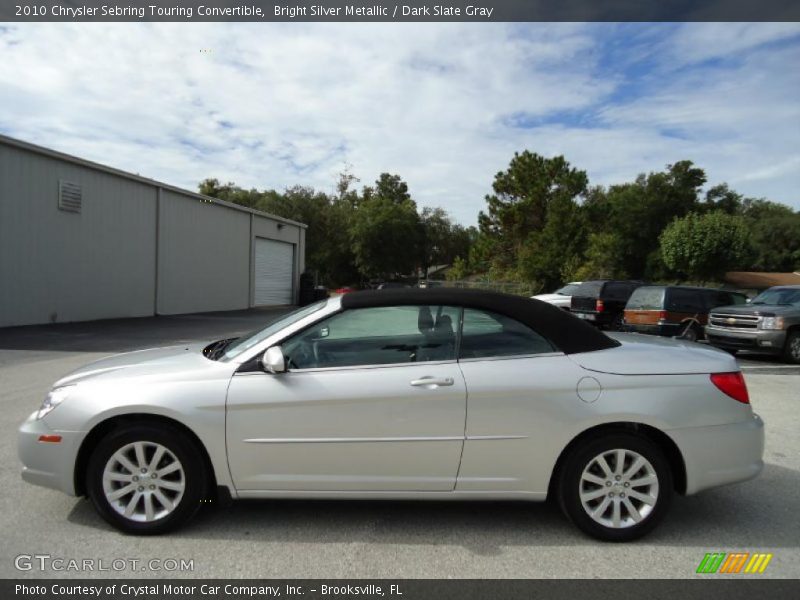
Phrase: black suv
(602, 302)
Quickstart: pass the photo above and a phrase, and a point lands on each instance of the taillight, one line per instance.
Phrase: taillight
(662, 315)
(598, 306)
(733, 385)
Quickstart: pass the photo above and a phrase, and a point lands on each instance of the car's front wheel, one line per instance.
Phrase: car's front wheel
(616, 487)
(146, 479)
(791, 351)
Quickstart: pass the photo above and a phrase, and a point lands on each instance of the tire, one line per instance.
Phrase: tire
(616, 323)
(692, 333)
(791, 349)
(583, 464)
(157, 503)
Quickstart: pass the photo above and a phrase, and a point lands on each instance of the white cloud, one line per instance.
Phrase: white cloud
(697, 42)
(277, 105)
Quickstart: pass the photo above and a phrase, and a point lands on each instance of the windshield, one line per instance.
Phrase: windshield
(780, 296)
(568, 290)
(589, 289)
(249, 340)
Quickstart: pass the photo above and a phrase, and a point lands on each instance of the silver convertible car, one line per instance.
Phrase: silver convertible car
(401, 393)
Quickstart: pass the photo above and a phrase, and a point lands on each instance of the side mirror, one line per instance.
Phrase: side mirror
(273, 360)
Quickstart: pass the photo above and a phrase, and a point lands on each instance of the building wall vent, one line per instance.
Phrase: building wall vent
(70, 196)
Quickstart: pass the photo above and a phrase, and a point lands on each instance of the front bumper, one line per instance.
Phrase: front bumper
(46, 463)
(758, 340)
(721, 454)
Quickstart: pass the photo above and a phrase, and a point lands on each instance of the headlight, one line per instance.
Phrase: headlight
(772, 323)
(53, 399)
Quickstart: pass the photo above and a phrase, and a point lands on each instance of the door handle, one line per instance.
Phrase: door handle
(432, 382)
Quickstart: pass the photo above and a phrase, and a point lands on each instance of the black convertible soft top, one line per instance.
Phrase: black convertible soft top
(568, 333)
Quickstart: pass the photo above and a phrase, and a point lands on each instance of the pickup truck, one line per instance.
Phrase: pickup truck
(770, 324)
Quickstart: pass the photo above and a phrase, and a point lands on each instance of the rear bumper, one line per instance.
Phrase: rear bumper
(759, 340)
(45, 463)
(721, 454)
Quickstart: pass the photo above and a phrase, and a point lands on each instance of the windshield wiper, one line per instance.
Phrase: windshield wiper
(214, 350)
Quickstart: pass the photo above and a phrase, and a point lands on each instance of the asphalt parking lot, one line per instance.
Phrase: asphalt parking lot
(325, 539)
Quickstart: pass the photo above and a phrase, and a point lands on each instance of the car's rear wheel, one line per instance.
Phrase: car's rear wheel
(616, 487)
(146, 479)
(692, 332)
(791, 350)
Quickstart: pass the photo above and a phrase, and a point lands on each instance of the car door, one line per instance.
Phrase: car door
(373, 400)
(521, 405)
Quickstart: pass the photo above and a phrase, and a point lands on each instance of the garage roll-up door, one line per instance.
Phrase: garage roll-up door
(274, 270)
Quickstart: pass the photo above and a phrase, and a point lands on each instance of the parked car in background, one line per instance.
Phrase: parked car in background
(770, 324)
(562, 297)
(675, 309)
(388, 285)
(602, 302)
(429, 283)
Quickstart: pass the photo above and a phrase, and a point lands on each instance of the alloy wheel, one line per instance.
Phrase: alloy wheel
(619, 488)
(144, 481)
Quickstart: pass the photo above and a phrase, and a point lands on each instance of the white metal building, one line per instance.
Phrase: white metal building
(81, 241)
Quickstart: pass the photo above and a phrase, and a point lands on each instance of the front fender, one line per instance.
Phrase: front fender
(199, 405)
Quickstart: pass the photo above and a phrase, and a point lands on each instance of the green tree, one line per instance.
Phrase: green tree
(548, 255)
(704, 246)
(721, 197)
(518, 209)
(441, 239)
(638, 212)
(230, 192)
(603, 258)
(458, 270)
(391, 187)
(385, 237)
(775, 235)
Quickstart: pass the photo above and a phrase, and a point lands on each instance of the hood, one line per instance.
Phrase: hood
(651, 355)
(149, 362)
(756, 310)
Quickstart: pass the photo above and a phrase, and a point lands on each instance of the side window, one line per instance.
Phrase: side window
(716, 299)
(686, 301)
(376, 336)
(617, 291)
(486, 334)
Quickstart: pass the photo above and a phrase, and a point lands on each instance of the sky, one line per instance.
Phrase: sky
(443, 105)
